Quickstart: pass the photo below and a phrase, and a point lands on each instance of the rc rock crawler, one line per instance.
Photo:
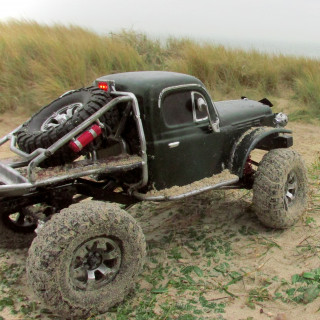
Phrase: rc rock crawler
(130, 137)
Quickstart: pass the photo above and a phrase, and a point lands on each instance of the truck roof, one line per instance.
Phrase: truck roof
(144, 82)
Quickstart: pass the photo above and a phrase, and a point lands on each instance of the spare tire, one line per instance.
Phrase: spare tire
(55, 120)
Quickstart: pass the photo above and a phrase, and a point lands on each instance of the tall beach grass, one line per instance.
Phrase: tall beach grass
(38, 63)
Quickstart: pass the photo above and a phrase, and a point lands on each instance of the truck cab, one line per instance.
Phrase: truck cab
(188, 136)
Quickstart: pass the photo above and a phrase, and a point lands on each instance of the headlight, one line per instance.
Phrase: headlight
(281, 119)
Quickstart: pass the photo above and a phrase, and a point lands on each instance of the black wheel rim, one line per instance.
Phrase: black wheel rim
(61, 116)
(291, 190)
(96, 263)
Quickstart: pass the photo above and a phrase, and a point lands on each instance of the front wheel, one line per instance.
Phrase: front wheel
(86, 259)
(280, 188)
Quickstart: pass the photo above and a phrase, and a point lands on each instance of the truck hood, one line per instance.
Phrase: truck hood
(240, 112)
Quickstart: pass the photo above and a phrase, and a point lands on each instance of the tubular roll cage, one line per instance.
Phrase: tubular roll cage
(15, 184)
(15, 181)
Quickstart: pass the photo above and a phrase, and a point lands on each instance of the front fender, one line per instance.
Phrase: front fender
(264, 138)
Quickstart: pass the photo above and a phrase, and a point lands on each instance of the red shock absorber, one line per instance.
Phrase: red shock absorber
(248, 170)
(85, 138)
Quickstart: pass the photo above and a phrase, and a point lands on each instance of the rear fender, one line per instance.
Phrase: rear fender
(257, 138)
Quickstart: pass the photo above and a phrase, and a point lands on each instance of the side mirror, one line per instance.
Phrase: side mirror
(203, 106)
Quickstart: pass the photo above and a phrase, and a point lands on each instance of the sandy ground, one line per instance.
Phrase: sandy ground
(7, 124)
(306, 140)
(186, 233)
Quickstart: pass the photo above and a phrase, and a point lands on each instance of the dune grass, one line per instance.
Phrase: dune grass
(38, 63)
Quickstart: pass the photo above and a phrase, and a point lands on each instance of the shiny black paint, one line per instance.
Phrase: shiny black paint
(201, 152)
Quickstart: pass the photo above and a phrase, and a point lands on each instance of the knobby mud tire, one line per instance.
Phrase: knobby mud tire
(30, 136)
(52, 251)
(270, 188)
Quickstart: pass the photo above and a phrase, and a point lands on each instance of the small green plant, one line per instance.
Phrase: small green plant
(309, 220)
(257, 295)
(304, 287)
(6, 302)
(217, 307)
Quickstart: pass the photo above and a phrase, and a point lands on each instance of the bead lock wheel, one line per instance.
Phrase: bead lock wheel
(95, 263)
(291, 189)
(86, 259)
(280, 189)
(61, 116)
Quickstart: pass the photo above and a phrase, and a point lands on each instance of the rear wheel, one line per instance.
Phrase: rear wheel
(86, 259)
(280, 188)
(58, 118)
(17, 228)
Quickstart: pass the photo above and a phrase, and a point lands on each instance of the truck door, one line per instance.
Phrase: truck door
(186, 149)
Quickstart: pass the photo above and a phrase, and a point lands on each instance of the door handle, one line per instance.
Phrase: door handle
(174, 144)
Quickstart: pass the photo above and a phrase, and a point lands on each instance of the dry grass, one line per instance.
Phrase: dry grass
(38, 63)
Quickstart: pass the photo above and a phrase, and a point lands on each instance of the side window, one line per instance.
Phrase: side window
(178, 108)
(198, 114)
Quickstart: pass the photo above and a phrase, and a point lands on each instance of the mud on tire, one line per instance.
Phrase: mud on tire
(86, 259)
(280, 188)
(59, 117)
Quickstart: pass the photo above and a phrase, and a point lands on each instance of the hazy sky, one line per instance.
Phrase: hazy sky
(282, 21)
